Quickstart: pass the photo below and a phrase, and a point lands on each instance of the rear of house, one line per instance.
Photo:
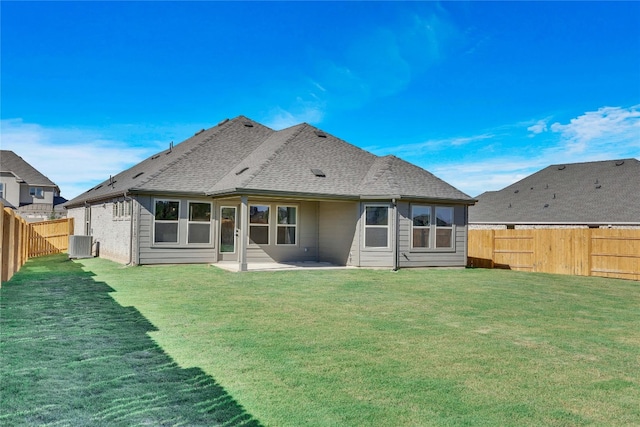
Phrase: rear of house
(241, 192)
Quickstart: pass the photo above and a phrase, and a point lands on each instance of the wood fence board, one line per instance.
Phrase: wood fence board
(577, 251)
(21, 240)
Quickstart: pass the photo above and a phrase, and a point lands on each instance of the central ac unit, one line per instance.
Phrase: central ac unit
(80, 246)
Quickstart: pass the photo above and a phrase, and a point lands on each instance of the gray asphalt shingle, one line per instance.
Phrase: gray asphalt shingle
(241, 155)
(605, 192)
(11, 162)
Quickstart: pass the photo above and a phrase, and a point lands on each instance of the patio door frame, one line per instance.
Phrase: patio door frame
(228, 256)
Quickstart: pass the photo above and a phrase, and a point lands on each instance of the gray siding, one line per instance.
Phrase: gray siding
(306, 247)
(456, 257)
(337, 231)
(181, 253)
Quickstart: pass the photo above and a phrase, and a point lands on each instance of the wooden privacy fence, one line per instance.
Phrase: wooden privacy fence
(577, 251)
(21, 240)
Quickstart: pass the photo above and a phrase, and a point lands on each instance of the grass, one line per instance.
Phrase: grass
(71, 356)
(363, 347)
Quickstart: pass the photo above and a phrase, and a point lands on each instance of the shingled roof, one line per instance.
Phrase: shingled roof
(593, 193)
(241, 156)
(10, 162)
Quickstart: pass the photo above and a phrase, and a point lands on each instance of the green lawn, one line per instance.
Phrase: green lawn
(372, 347)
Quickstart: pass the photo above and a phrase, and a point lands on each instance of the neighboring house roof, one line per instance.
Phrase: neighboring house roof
(241, 156)
(23, 171)
(605, 192)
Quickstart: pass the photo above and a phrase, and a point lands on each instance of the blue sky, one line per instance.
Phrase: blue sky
(481, 94)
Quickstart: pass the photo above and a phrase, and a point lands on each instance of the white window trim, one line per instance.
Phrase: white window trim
(388, 227)
(189, 222)
(287, 225)
(268, 225)
(177, 242)
(235, 237)
(434, 230)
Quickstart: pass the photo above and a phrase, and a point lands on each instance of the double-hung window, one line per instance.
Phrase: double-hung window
(432, 227)
(376, 226)
(287, 225)
(199, 222)
(421, 217)
(259, 224)
(444, 227)
(166, 217)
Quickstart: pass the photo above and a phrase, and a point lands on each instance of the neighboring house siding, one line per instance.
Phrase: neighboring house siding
(456, 257)
(181, 253)
(337, 228)
(11, 188)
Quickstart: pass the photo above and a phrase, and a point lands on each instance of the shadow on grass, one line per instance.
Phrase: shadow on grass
(71, 355)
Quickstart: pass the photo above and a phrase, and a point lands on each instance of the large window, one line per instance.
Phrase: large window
(432, 227)
(287, 225)
(376, 226)
(199, 223)
(259, 224)
(166, 221)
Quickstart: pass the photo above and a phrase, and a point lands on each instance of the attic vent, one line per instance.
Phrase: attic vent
(99, 186)
(561, 167)
(318, 172)
(199, 132)
(546, 205)
(517, 191)
(320, 134)
(620, 163)
(222, 122)
(248, 124)
(155, 157)
(137, 175)
(598, 186)
(242, 170)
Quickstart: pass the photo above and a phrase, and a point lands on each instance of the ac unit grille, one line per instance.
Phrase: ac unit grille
(80, 246)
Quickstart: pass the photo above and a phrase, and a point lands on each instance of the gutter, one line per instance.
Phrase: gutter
(396, 244)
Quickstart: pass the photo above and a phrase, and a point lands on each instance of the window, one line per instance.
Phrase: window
(1, 190)
(444, 227)
(432, 227)
(376, 226)
(36, 192)
(166, 221)
(121, 209)
(287, 225)
(199, 223)
(259, 224)
(228, 229)
(421, 217)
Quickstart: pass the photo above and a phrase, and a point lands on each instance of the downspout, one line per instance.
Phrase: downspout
(130, 229)
(396, 235)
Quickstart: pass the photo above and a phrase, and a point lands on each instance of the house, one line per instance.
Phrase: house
(242, 192)
(23, 188)
(593, 194)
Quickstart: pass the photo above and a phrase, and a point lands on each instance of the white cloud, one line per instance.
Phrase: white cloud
(600, 130)
(302, 111)
(75, 159)
(539, 127)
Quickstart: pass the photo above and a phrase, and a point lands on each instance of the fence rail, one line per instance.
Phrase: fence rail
(579, 251)
(21, 240)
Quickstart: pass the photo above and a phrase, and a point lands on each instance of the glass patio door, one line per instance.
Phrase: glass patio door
(228, 233)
